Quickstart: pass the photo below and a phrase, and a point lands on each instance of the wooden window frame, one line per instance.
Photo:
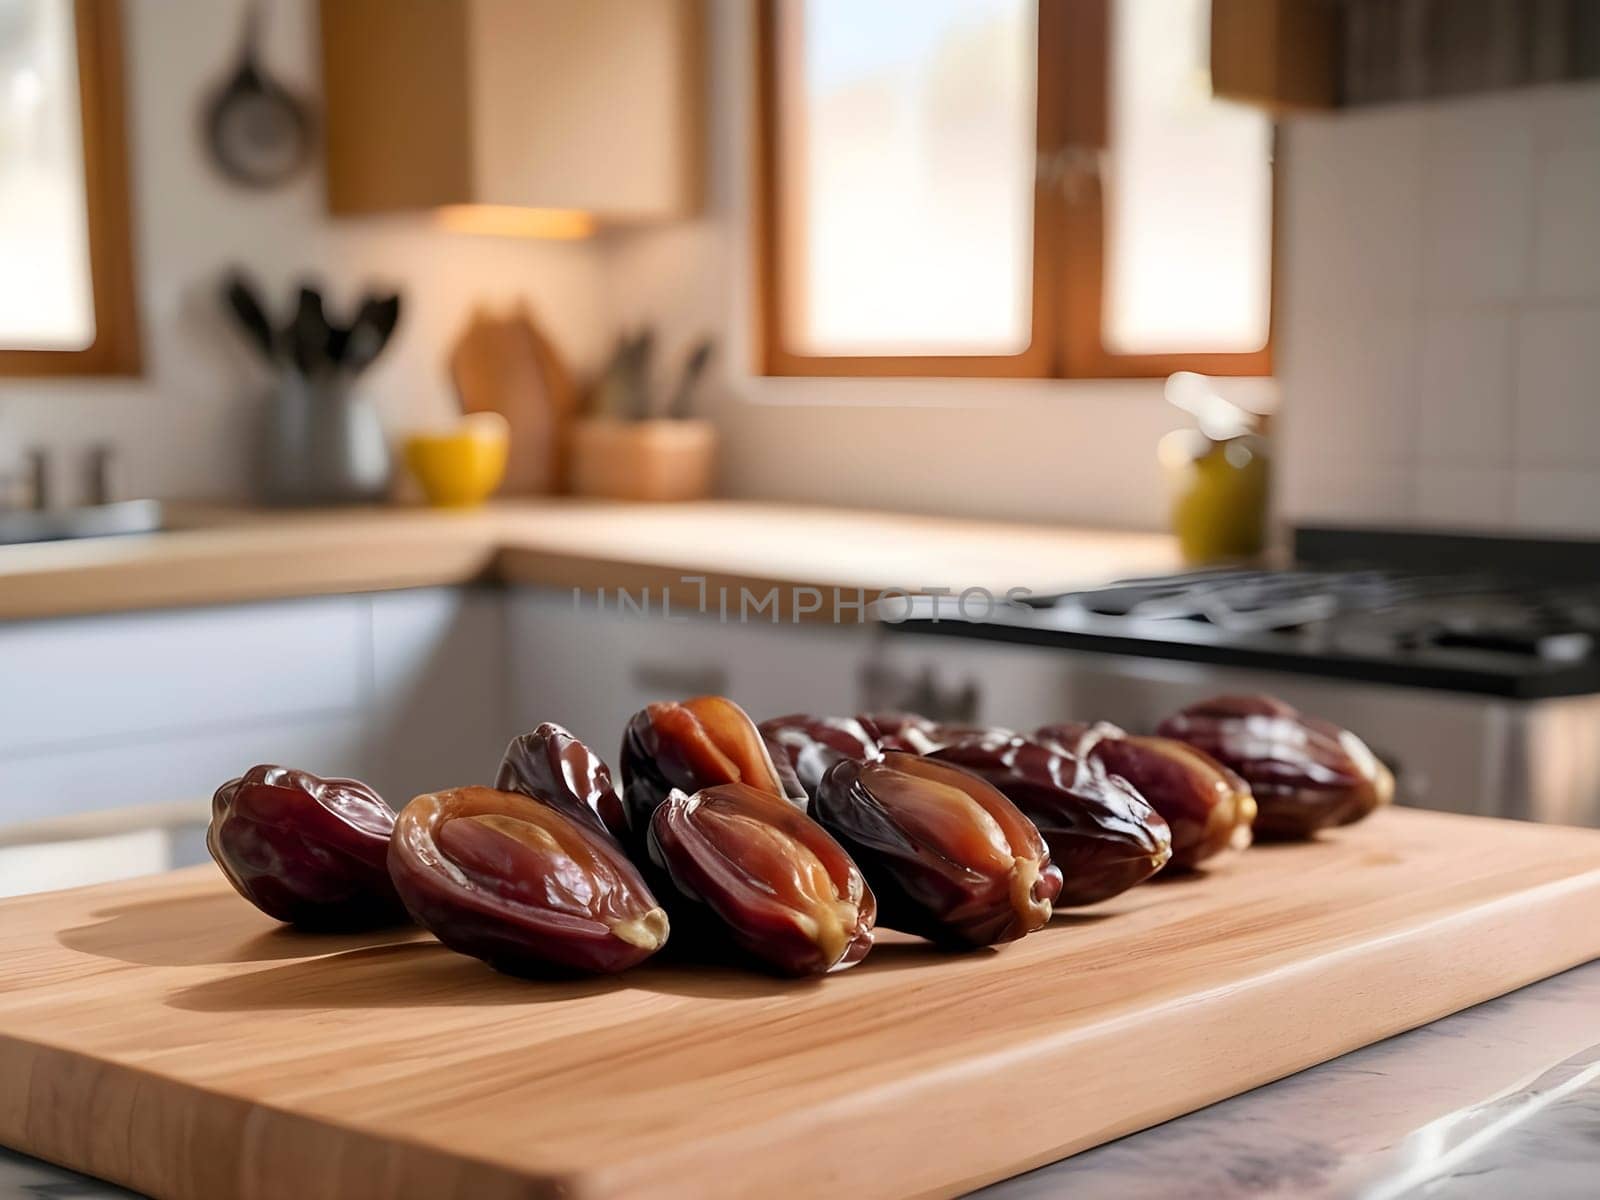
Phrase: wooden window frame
(115, 349)
(1068, 243)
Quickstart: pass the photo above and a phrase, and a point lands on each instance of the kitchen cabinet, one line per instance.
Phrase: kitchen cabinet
(126, 677)
(410, 690)
(405, 689)
(96, 772)
(592, 107)
(439, 712)
(1315, 54)
(1278, 54)
(114, 711)
(590, 670)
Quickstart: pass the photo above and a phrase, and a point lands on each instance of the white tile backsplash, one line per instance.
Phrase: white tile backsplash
(1353, 392)
(1566, 247)
(1360, 494)
(1466, 379)
(1566, 116)
(1352, 212)
(1462, 497)
(1557, 501)
(1476, 199)
(1438, 339)
(1557, 411)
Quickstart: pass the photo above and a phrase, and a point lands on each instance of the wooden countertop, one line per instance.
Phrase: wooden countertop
(218, 555)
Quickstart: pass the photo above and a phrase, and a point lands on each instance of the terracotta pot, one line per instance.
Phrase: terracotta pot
(643, 460)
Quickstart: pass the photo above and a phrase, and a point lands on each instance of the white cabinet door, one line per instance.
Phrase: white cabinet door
(439, 713)
(144, 708)
(67, 681)
(590, 671)
(114, 773)
(412, 691)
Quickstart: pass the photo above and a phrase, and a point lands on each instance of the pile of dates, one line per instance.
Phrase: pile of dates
(785, 845)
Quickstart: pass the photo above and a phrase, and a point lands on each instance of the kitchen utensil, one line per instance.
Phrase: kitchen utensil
(323, 444)
(463, 467)
(258, 133)
(506, 365)
(641, 371)
(643, 460)
(217, 1035)
(241, 297)
(624, 390)
(608, 396)
(375, 321)
(694, 367)
(309, 333)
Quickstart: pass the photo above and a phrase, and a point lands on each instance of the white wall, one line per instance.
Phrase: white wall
(1439, 353)
(184, 429)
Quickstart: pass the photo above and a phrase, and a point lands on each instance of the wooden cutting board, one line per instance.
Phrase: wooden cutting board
(163, 1034)
(505, 364)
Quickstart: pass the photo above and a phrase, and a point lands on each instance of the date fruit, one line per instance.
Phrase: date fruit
(910, 733)
(949, 858)
(1208, 808)
(1103, 835)
(810, 745)
(557, 769)
(688, 747)
(305, 850)
(522, 885)
(915, 734)
(748, 868)
(1306, 774)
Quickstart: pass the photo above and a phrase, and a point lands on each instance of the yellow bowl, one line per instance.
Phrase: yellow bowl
(463, 467)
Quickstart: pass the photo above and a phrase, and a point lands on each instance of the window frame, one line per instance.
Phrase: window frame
(1068, 229)
(97, 28)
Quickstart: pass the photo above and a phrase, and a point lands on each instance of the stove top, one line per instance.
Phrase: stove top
(1522, 633)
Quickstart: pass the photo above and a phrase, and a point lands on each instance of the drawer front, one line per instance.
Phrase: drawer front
(172, 768)
(76, 681)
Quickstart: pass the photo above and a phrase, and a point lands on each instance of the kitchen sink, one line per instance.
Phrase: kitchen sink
(92, 520)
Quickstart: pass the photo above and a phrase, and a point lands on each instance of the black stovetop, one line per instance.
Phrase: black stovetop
(1495, 616)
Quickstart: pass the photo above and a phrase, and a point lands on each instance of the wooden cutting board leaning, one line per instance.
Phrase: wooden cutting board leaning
(505, 364)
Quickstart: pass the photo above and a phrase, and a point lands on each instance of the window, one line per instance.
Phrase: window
(66, 275)
(1006, 187)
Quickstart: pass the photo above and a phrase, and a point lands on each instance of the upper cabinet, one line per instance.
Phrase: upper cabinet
(1281, 54)
(1296, 54)
(551, 111)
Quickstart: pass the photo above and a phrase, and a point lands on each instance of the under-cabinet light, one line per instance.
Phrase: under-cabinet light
(508, 220)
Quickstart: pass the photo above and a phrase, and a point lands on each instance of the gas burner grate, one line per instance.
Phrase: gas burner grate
(1366, 612)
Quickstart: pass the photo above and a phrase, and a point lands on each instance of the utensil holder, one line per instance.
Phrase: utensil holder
(643, 460)
(324, 444)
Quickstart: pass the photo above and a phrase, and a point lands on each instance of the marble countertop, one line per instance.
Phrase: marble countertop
(1500, 1100)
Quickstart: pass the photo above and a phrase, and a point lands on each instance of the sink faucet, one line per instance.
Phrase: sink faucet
(101, 480)
(38, 478)
(28, 480)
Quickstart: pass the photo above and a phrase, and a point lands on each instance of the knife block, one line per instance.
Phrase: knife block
(643, 460)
